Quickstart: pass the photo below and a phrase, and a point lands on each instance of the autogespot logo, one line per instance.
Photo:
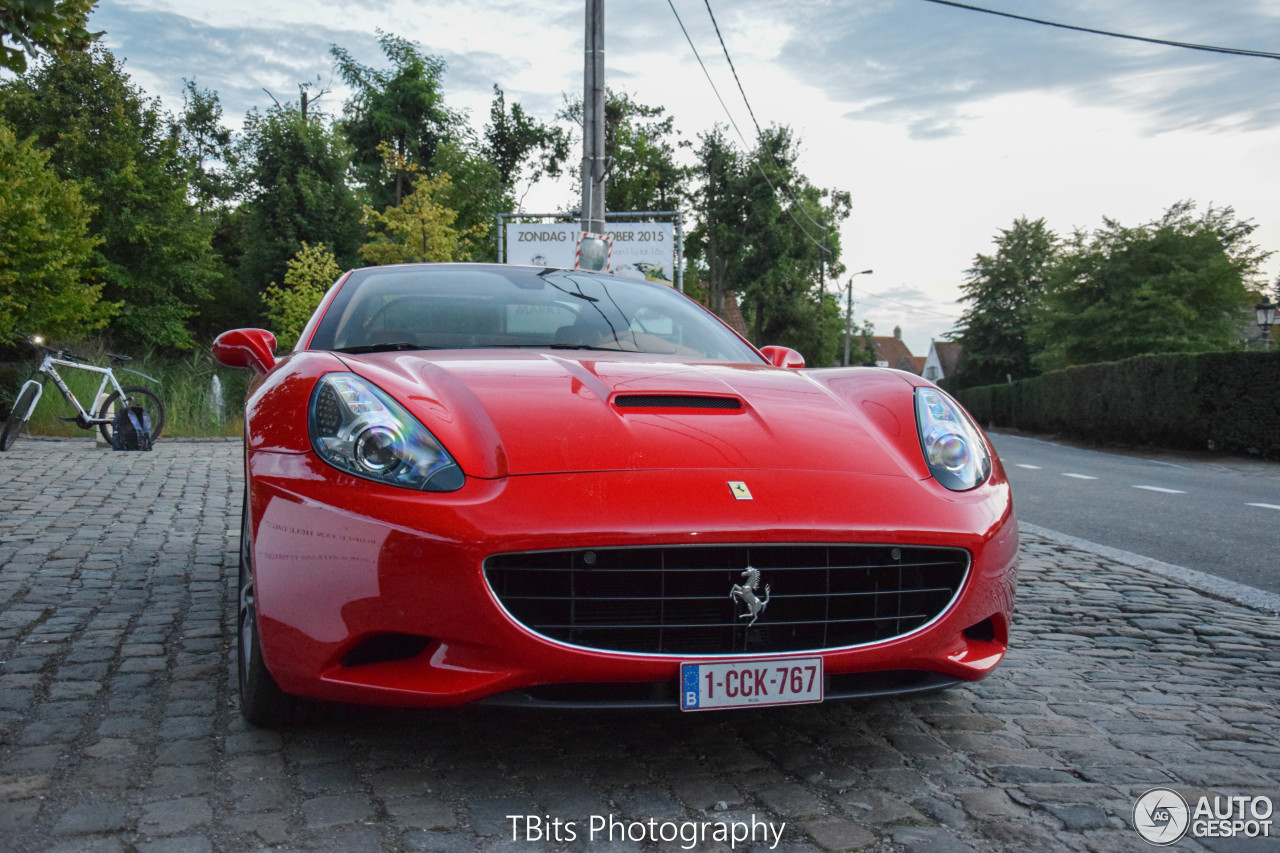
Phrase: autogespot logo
(1161, 816)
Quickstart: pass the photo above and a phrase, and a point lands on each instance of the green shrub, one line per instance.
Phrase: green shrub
(1226, 401)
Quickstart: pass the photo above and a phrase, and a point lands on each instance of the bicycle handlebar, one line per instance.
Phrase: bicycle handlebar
(61, 353)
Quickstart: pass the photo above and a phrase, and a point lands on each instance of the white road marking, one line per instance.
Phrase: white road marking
(1162, 491)
(1265, 506)
(1005, 435)
(1080, 476)
(1029, 467)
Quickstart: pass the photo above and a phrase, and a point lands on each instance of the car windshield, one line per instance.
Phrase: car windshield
(460, 306)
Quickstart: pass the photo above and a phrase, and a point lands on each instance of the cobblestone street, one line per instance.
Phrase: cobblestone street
(119, 729)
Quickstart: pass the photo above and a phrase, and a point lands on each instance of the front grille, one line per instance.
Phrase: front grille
(676, 600)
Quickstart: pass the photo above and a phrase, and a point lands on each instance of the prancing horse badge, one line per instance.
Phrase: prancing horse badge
(740, 490)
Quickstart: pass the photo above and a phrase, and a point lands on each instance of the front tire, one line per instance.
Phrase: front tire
(262, 702)
(17, 417)
(134, 395)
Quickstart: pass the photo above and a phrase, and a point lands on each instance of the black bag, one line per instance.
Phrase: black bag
(131, 429)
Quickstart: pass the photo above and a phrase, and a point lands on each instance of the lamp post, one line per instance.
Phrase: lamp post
(848, 313)
(1266, 312)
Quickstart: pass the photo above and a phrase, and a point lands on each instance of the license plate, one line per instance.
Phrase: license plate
(752, 683)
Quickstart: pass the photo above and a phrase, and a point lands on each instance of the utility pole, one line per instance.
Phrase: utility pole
(593, 152)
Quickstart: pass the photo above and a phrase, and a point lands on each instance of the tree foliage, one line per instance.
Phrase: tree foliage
(206, 144)
(767, 234)
(641, 141)
(1003, 290)
(104, 134)
(293, 171)
(310, 274)
(44, 247)
(1178, 284)
(42, 26)
(419, 229)
(515, 142)
(403, 106)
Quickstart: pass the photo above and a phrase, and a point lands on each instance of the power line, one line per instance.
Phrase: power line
(725, 107)
(912, 308)
(1188, 45)
(751, 112)
(731, 68)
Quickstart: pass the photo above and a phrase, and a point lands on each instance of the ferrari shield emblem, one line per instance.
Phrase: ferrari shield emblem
(740, 490)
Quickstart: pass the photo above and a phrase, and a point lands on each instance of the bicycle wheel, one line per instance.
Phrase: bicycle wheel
(17, 417)
(134, 396)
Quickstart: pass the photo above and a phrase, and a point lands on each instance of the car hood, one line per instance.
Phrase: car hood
(532, 412)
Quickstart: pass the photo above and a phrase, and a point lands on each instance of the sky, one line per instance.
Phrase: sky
(945, 125)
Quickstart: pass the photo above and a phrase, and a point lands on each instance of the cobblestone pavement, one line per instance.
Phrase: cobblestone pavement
(119, 728)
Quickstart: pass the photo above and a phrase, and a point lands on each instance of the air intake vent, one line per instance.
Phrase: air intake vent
(675, 401)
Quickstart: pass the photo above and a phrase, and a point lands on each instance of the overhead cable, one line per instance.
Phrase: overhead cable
(1188, 45)
(759, 133)
(725, 107)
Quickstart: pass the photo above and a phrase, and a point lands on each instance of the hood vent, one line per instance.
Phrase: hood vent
(675, 401)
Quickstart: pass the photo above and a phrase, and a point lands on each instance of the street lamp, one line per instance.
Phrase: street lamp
(1266, 319)
(848, 313)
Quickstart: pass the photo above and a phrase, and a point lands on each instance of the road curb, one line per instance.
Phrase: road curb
(1237, 593)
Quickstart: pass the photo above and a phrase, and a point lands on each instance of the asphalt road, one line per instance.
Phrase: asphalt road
(1218, 516)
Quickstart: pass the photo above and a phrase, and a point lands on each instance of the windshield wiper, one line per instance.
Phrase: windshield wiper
(391, 347)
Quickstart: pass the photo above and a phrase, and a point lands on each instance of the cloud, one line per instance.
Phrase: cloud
(926, 65)
(240, 62)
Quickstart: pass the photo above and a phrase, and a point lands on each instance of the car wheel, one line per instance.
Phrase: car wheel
(262, 702)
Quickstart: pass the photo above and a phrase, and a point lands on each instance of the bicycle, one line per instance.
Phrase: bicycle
(125, 395)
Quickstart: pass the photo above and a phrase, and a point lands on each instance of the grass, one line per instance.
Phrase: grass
(185, 386)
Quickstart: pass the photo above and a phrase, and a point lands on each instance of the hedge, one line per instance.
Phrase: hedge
(1220, 401)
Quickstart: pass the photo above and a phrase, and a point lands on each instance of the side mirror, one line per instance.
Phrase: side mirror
(783, 357)
(254, 348)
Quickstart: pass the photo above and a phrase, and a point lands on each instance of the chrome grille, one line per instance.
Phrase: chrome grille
(675, 600)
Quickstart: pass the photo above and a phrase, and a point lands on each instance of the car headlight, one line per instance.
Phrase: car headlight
(953, 446)
(356, 427)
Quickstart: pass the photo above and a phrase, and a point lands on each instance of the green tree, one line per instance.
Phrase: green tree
(718, 238)
(1178, 284)
(104, 134)
(402, 106)
(419, 229)
(515, 142)
(45, 248)
(476, 192)
(310, 274)
(1003, 290)
(206, 144)
(642, 142)
(765, 232)
(42, 26)
(292, 171)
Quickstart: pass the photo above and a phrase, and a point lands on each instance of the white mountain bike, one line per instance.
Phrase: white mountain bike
(126, 396)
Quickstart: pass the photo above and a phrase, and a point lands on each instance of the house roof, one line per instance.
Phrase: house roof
(893, 351)
(918, 361)
(948, 356)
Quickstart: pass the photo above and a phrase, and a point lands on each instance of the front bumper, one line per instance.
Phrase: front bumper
(377, 595)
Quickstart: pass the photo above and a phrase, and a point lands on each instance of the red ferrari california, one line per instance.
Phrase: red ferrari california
(548, 487)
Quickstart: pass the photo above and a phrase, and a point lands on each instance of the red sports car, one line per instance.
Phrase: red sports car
(477, 482)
